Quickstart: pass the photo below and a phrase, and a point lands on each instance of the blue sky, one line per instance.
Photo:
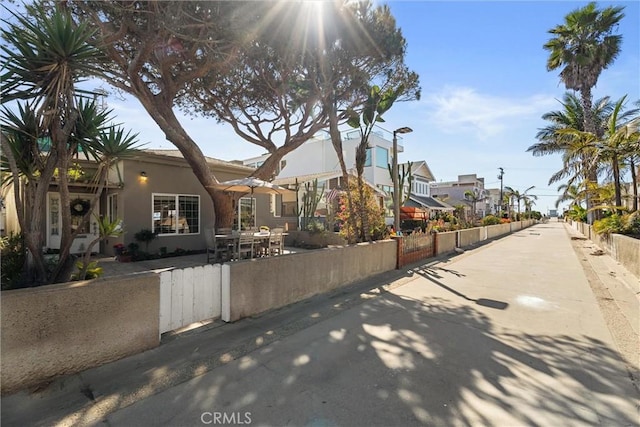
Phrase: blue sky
(484, 89)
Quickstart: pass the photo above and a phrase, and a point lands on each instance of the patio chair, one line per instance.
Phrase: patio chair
(245, 245)
(276, 242)
(221, 249)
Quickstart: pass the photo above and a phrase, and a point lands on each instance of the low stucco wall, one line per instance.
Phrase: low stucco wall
(626, 250)
(290, 278)
(445, 242)
(497, 230)
(66, 328)
(448, 241)
(470, 236)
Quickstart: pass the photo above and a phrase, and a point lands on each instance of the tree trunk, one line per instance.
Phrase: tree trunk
(616, 182)
(336, 140)
(164, 116)
(634, 181)
(591, 172)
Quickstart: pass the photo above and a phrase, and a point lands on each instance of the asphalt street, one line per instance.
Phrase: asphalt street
(528, 330)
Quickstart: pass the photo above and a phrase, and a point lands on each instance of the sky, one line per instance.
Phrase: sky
(484, 86)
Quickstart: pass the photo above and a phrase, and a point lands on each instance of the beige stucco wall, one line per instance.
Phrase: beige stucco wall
(165, 175)
(445, 242)
(291, 278)
(63, 329)
(470, 236)
(626, 250)
(497, 230)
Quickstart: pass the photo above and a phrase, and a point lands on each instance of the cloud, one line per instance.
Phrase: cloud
(460, 109)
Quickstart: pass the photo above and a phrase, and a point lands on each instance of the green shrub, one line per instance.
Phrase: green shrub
(145, 236)
(315, 227)
(12, 257)
(611, 224)
(93, 271)
(490, 220)
(632, 223)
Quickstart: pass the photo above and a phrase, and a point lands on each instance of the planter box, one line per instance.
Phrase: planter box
(304, 239)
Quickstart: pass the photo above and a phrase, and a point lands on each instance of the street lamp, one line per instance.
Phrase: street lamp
(394, 171)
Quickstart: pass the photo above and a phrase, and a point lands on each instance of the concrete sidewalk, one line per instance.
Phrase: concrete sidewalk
(515, 332)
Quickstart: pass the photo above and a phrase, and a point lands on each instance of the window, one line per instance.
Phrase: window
(246, 213)
(335, 183)
(367, 161)
(112, 207)
(276, 205)
(176, 214)
(54, 211)
(382, 157)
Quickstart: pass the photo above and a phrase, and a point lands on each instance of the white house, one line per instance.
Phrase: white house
(317, 159)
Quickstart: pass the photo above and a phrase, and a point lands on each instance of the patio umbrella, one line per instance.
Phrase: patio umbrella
(251, 185)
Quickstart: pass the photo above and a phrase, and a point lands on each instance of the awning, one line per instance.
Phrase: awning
(429, 203)
(413, 213)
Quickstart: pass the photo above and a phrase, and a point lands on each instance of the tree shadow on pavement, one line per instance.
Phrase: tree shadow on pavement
(395, 360)
(432, 273)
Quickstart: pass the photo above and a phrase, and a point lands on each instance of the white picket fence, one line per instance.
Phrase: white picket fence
(192, 295)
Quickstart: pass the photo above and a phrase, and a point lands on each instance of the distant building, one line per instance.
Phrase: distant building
(453, 193)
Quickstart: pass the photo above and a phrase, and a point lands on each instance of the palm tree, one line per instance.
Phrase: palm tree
(570, 193)
(554, 141)
(44, 57)
(584, 151)
(474, 196)
(570, 117)
(516, 195)
(618, 142)
(529, 200)
(583, 47)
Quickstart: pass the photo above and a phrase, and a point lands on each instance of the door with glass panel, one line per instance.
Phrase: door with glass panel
(88, 229)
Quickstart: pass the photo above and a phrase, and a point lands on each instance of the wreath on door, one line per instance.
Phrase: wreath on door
(79, 207)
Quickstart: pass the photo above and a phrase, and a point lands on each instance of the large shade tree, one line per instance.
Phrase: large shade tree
(350, 68)
(259, 66)
(582, 47)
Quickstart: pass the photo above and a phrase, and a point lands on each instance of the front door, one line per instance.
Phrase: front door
(88, 229)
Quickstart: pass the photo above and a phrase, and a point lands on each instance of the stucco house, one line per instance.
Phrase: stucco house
(154, 190)
(453, 193)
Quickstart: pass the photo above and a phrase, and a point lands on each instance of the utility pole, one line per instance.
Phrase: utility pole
(500, 178)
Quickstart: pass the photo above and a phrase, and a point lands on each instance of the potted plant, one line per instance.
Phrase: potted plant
(145, 236)
(122, 254)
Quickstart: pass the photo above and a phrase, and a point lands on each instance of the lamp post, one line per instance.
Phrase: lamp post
(500, 178)
(394, 171)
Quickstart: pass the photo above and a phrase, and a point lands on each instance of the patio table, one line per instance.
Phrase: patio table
(260, 241)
